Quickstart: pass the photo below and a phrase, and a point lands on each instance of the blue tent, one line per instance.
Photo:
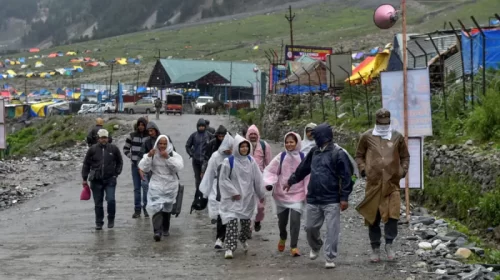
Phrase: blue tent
(302, 89)
(142, 89)
(476, 42)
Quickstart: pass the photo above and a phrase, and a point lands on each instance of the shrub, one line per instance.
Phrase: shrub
(484, 120)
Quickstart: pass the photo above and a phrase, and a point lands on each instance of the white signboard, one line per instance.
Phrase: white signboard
(416, 169)
(3, 137)
(419, 101)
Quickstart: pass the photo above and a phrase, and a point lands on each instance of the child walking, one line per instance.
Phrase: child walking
(209, 186)
(240, 183)
(289, 205)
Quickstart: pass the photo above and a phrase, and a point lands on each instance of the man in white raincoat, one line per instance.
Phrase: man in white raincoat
(308, 140)
(240, 183)
(164, 163)
(209, 186)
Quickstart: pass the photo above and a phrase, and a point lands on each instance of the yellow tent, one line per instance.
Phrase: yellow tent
(39, 64)
(52, 73)
(43, 74)
(11, 72)
(12, 63)
(370, 68)
(76, 95)
(77, 67)
(29, 75)
(38, 108)
(122, 61)
(71, 53)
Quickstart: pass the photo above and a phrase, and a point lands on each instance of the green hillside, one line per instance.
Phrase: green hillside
(321, 25)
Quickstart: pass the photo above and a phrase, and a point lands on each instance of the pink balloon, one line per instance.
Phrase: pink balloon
(385, 16)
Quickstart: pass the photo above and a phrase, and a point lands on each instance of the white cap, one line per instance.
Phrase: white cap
(102, 133)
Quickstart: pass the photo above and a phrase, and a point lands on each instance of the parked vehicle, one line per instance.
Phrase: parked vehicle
(201, 101)
(107, 107)
(142, 106)
(173, 104)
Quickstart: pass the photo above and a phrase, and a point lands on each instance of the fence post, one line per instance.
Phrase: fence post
(484, 53)
(310, 92)
(471, 62)
(366, 99)
(462, 62)
(441, 67)
(350, 89)
(322, 95)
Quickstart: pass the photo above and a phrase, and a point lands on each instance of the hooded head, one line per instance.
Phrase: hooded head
(309, 127)
(99, 121)
(226, 145)
(290, 139)
(141, 125)
(238, 141)
(253, 134)
(201, 125)
(323, 134)
(207, 122)
(220, 133)
(163, 144)
(152, 128)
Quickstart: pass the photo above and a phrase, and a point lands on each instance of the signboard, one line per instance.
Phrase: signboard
(336, 76)
(416, 169)
(3, 136)
(318, 53)
(419, 101)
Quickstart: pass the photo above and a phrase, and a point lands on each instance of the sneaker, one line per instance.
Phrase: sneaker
(219, 244)
(281, 245)
(166, 233)
(146, 214)
(329, 265)
(313, 255)
(390, 253)
(295, 252)
(375, 256)
(157, 237)
(98, 227)
(244, 246)
(137, 214)
(228, 255)
(257, 226)
(111, 224)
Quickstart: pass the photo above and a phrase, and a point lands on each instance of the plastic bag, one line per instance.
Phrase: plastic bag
(86, 193)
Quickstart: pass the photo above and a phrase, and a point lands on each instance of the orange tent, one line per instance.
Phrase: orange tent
(75, 60)
(52, 55)
(92, 64)
(34, 50)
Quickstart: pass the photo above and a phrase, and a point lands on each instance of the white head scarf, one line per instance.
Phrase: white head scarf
(227, 143)
(170, 147)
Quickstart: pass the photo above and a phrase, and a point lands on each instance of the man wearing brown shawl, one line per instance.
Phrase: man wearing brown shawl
(382, 158)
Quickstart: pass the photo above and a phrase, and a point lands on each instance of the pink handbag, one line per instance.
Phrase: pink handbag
(85, 195)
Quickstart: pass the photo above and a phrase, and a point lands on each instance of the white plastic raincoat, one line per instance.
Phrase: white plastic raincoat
(245, 180)
(208, 185)
(163, 185)
(296, 197)
(307, 144)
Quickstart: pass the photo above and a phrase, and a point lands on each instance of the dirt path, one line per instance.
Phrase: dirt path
(59, 242)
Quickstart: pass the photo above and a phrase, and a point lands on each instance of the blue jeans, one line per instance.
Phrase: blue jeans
(99, 189)
(138, 185)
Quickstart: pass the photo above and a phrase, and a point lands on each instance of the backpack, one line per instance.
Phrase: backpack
(158, 103)
(263, 145)
(231, 165)
(354, 169)
(283, 154)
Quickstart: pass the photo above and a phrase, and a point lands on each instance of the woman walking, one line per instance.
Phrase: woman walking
(210, 188)
(164, 163)
(240, 183)
(289, 205)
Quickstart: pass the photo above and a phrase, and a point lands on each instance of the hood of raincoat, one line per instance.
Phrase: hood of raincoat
(153, 126)
(299, 144)
(201, 122)
(236, 146)
(170, 147)
(323, 133)
(253, 129)
(309, 125)
(227, 144)
(144, 121)
(221, 130)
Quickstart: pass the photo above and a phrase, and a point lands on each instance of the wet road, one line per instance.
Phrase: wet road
(59, 241)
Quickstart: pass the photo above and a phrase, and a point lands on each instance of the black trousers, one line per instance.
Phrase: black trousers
(100, 189)
(161, 222)
(197, 177)
(375, 233)
(221, 229)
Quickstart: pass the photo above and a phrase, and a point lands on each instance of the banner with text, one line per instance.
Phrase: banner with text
(318, 53)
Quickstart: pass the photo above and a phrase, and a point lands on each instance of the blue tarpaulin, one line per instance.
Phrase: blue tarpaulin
(120, 97)
(302, 89)
(492, 50)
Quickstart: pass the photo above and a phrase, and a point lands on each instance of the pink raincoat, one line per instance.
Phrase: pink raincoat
(262, 161)
(295, 198)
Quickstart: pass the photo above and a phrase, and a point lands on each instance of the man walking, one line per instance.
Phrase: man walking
(263, 156)
(383, 158)
(92, 137)
(132, 150)
(327, 193)
(213, 146)
(209, 128)
(102, 165)
(196, 147)
(158, 105)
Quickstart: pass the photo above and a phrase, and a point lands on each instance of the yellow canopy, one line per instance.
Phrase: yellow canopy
(371, 69)
(38, 108)
(11, 72)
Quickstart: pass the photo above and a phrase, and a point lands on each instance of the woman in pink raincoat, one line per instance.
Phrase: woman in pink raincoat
(289, 205)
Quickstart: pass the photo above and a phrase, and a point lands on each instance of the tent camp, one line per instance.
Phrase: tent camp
(34, 50)
(39, 64)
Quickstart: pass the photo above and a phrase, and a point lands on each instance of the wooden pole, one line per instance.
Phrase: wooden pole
(405, 98)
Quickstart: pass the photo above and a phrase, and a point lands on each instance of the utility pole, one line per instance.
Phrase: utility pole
(290, 19)
(405, 108)
(137, 87)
